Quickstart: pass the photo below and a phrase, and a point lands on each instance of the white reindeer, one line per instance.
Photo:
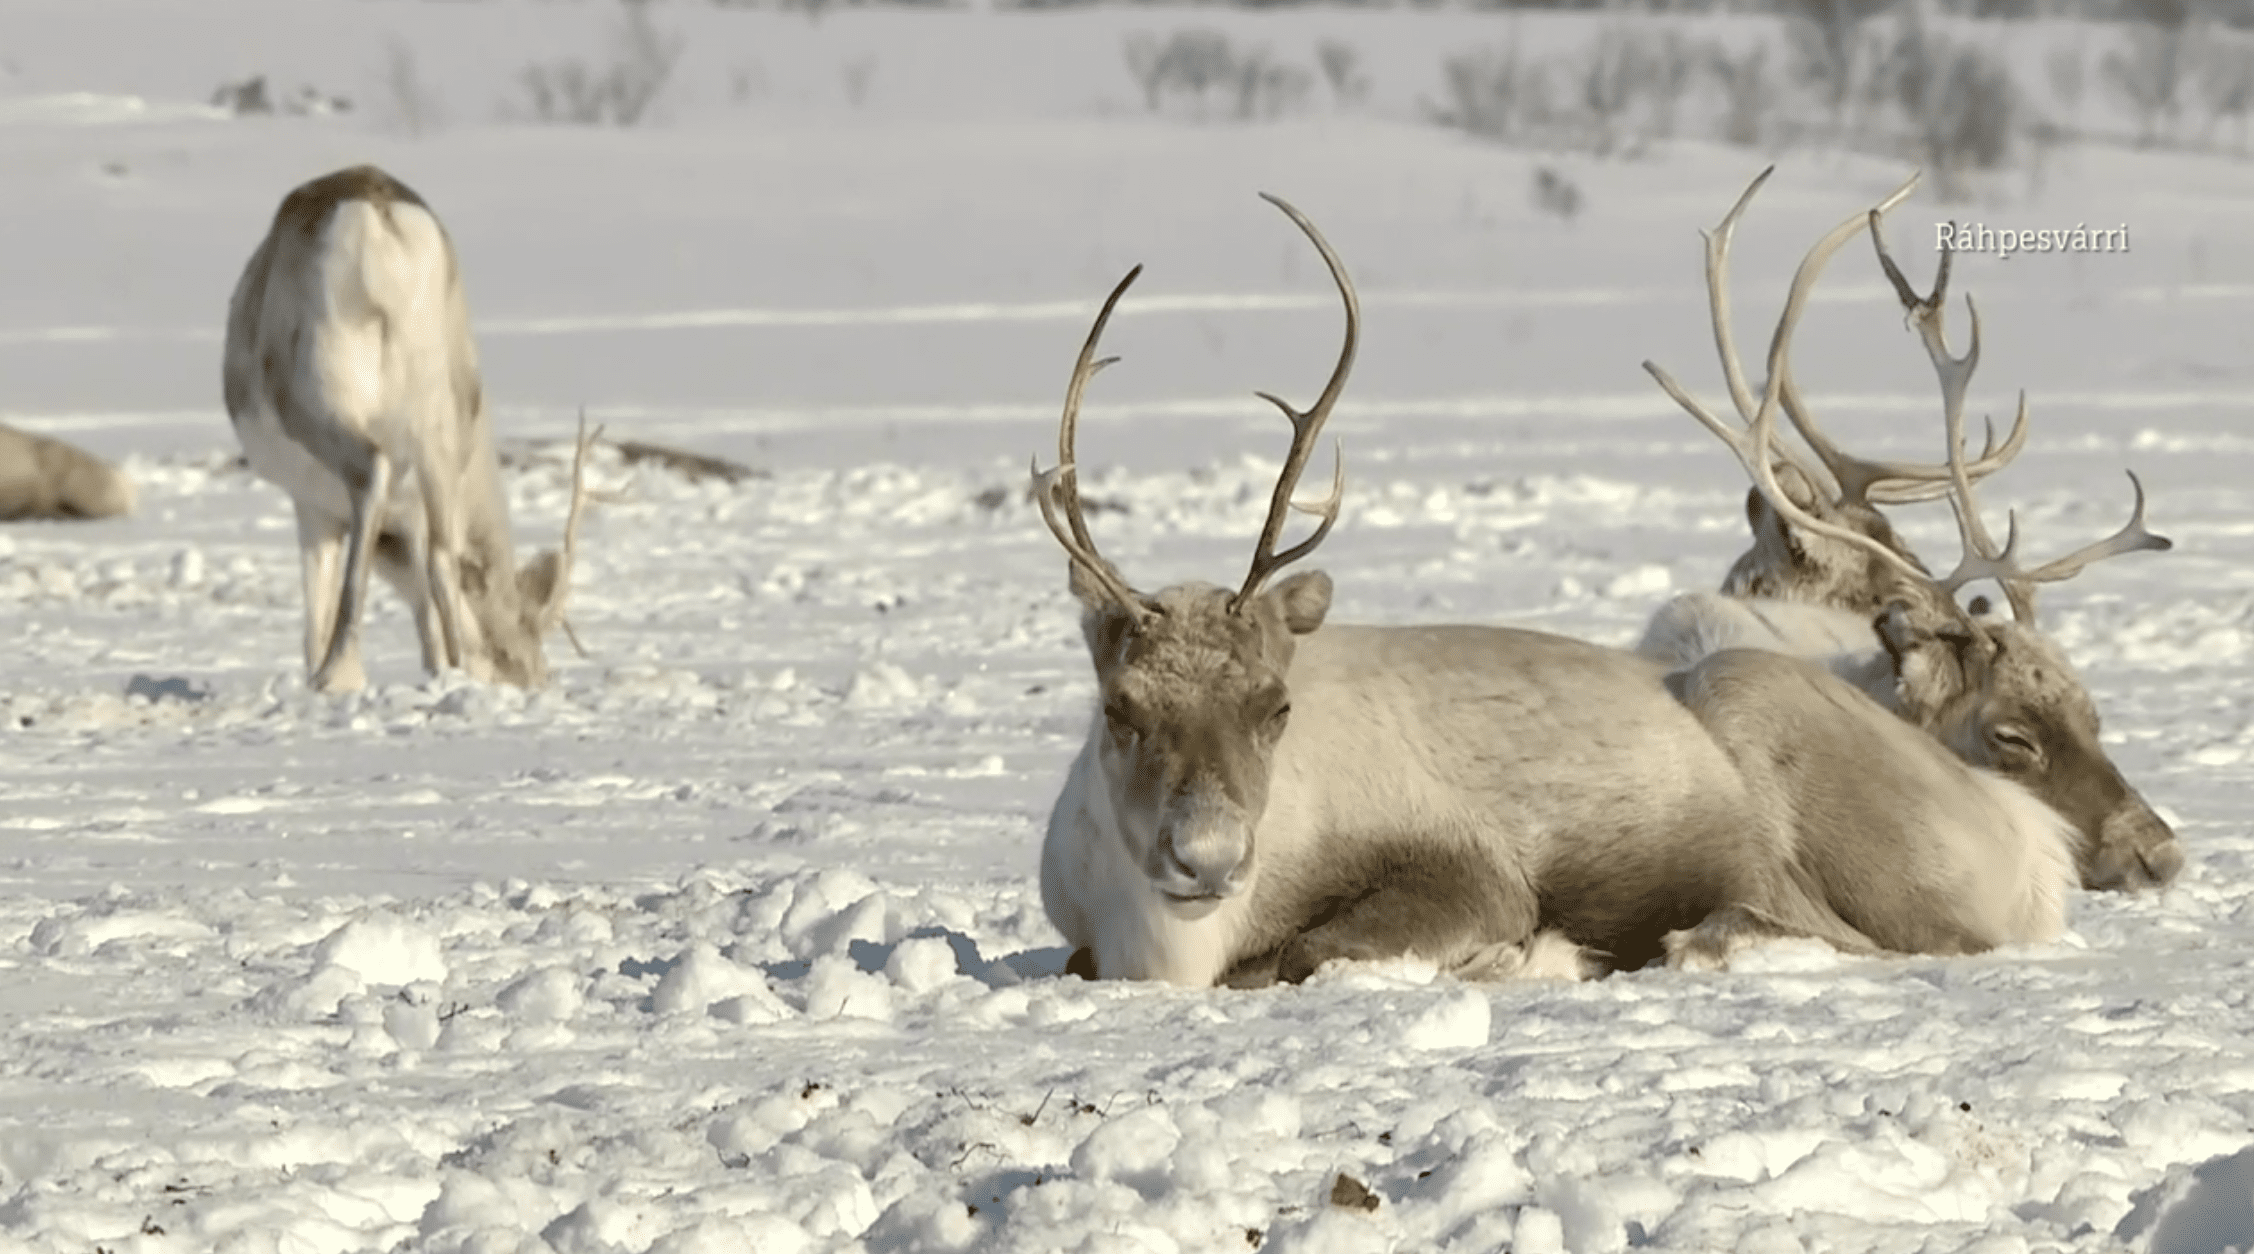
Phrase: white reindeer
(1828, 577)
(353, 384)
(42, 477)
(1260, 793)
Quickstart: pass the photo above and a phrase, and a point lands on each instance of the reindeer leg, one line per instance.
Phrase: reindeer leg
(442, 578)
(340, 669)
(1451, 906)
(320, 545)
(401, 564)
(1732, 930)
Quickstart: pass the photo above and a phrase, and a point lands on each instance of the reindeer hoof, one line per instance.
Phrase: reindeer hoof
(1082, 963)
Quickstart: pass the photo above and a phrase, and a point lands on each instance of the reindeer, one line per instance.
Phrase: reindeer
(353, 384)
(42, 477)
(1261, 792)
(1828, 577)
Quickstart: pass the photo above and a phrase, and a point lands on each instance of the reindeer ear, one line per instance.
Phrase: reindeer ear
(540, 588)
(1756, 508)
(1896, 632)
(1303, 600)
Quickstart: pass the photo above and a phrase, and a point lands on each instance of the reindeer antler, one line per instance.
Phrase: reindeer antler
(560, 594)
(1982, 559)
(1858, 480)
(1755, 446)
(1063, 481)
(1305, 426)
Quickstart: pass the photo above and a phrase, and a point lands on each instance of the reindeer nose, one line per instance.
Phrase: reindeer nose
(2135, 849)
(1199, 867)
(2162, 862)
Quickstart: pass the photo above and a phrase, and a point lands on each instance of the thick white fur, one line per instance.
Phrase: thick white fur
(1099, 898)
(1695, 624)
(2037, 855)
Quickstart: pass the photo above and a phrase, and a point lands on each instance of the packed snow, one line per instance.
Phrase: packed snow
(730, 938)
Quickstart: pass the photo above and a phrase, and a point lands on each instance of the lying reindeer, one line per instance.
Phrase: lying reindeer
(353, 384)
(42, 477)
(1828, 577)
(1260, 793)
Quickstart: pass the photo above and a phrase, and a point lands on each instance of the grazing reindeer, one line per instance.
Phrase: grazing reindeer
(1844, 587)
(353, 384)
(1260, 792)
(42, 477)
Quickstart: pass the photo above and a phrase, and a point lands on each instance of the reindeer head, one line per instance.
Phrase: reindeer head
(1194, 680)
(2003, 696)
(1788, 564)
(1997, 691)
(514, 611)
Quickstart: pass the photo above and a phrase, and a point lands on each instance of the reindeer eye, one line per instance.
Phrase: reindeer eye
(1116, 719)
(2014, 740)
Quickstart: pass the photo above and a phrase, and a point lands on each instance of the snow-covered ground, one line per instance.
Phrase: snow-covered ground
(729, 940)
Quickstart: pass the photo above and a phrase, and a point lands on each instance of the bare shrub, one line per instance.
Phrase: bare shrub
(620, 94)
(1965, 116)
(2223, 70)
(413, 105)
(1189, 62)
(2149, 72)
(1829, 47)
(1749, 92)
(1495, 93)
(1613, 99)
(1341, 66)
(1202, 69)
(1266, 88)
(1950, 105)
(1628, 87)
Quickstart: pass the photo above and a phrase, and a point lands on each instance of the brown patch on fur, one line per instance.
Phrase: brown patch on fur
(305, 211)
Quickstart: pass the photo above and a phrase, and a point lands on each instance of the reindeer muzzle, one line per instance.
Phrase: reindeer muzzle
(2135, 849)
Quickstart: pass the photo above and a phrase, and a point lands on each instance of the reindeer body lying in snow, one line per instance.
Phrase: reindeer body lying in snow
(42, 477)
(1541, 784)
(1260, 793)
(1828, 578)
(352, 381)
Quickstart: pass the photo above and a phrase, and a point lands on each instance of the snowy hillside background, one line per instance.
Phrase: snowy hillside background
(729, 940)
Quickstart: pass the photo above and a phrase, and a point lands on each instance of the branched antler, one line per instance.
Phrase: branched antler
(1857, 480)
(560, 594)
(1755, 445)
(1060, 487)
(1982, 558)
(1305, 426)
